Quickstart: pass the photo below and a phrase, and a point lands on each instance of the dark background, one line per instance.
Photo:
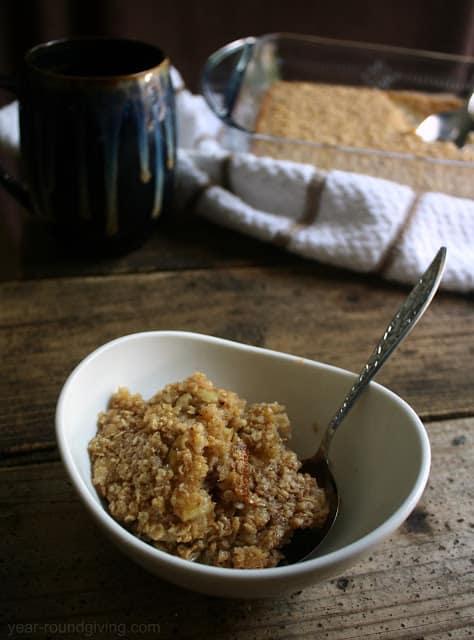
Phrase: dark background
(189, 30)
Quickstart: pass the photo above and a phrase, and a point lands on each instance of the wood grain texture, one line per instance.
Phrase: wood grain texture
(48, 326)
(180, 240)
(58, 569)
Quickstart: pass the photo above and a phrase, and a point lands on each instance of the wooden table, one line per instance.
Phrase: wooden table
(62, 578)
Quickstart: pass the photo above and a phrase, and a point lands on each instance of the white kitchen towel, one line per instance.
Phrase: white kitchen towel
(349, 220)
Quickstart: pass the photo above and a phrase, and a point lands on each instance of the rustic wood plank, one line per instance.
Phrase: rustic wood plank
(58, 569)
(48, 326)
(181, 240)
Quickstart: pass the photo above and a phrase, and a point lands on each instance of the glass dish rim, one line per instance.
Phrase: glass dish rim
(221, 53)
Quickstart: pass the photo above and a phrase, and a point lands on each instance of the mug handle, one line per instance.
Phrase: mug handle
(13, 186)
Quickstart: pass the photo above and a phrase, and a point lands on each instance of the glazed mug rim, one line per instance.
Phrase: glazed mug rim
(35, 51)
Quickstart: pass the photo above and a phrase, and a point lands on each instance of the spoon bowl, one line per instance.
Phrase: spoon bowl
(449, 126)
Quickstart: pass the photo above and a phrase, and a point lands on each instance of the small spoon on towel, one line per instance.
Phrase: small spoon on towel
(304, 543)
(453, 126)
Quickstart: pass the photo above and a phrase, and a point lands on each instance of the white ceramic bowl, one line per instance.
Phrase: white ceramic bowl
(381, 453)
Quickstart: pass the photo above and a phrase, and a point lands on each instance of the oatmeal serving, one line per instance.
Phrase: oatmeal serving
(198, 473)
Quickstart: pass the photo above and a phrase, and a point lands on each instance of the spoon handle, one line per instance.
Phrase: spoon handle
(398, 328)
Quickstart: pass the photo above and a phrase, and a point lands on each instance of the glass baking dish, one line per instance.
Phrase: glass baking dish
(237, 78)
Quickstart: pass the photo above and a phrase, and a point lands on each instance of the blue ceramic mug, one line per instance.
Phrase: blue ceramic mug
(97, 130)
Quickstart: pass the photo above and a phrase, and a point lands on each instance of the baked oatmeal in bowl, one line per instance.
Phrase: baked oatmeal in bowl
(199, 473)
(185, 449)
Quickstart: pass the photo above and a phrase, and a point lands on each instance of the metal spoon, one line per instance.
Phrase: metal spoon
(453, 126)
(304, 542)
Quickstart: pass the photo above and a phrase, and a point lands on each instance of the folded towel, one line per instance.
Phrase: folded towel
(349, 220)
